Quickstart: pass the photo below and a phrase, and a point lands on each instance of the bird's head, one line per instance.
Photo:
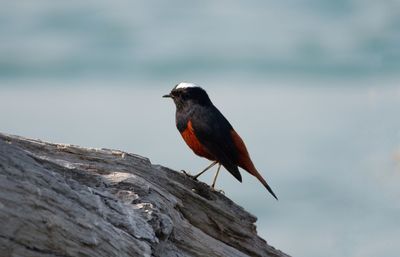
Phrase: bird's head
(186, 93)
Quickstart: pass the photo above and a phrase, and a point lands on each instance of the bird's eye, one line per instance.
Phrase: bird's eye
(177, 93)
(183, 95)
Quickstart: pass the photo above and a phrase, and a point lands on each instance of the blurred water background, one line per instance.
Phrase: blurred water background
(312, 86)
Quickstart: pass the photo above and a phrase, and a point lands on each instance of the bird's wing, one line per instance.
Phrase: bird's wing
(214, 132)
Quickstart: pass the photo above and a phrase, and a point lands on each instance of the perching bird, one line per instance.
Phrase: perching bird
(209, 134)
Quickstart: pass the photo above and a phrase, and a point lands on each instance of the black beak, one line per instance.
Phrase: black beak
(169, 95)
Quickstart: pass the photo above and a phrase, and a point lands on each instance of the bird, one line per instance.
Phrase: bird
(209, 134)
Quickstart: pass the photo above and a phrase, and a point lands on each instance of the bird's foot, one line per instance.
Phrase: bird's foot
(189, 175)
(217, 190)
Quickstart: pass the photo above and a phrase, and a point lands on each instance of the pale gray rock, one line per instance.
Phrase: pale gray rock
(64, 200)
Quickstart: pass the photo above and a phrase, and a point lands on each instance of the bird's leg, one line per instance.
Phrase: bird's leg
(208, 167)
(215, 177)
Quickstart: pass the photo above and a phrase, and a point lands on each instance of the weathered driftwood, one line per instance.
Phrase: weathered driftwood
(64, 200)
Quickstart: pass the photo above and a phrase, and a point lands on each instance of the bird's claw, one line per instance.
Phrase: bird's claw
(188, 175)
(217, 190)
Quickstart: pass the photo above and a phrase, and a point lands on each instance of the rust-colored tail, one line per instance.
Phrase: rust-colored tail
(245, 162)
(262, 180)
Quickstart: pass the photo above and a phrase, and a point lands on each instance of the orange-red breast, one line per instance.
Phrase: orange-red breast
(209, 134)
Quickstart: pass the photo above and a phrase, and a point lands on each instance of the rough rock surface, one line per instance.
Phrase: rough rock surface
(64, 200)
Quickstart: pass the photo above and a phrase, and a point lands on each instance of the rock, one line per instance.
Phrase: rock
(64, 200)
